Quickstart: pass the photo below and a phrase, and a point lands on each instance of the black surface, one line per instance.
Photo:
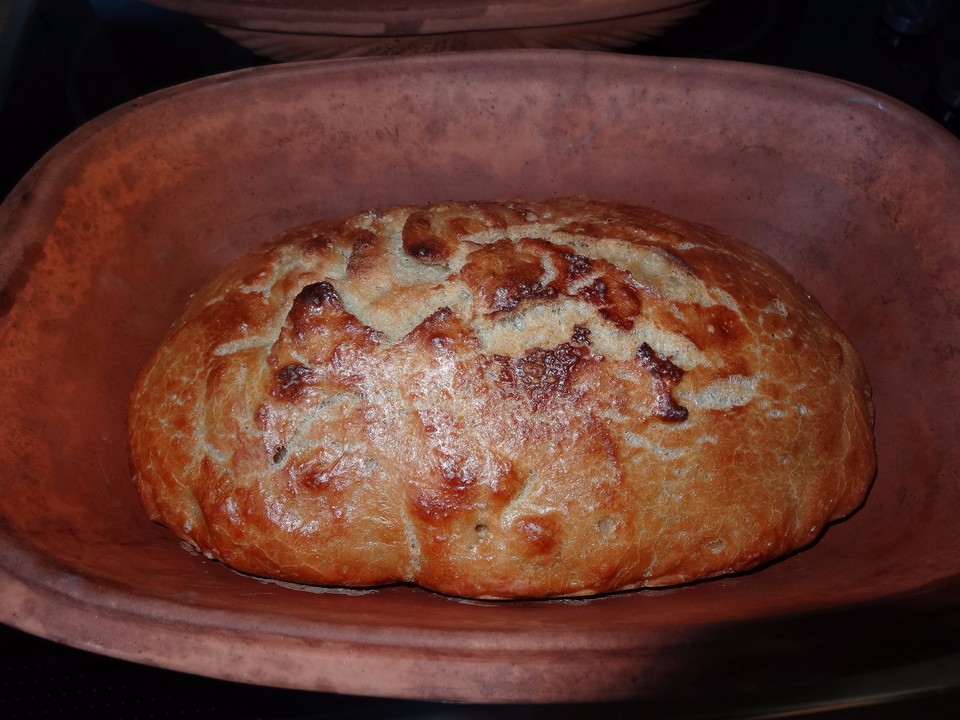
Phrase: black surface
(63, 62)
(74, 59)
(41, 679)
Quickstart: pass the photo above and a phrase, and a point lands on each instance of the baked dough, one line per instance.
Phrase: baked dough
(499, 400)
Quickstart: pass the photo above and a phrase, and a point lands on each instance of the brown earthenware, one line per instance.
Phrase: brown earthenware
(107, 236)
(313, 29)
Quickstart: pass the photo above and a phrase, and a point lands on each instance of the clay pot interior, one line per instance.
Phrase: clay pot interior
(108, 235)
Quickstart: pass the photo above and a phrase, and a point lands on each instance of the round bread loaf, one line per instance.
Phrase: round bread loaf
(498, 400)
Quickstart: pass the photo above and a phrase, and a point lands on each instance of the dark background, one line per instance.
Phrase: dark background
(63, 62)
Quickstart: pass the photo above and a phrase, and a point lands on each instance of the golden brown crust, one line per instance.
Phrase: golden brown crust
(502, 400)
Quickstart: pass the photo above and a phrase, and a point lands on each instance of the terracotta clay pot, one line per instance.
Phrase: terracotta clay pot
(109, 234)
(313, 29)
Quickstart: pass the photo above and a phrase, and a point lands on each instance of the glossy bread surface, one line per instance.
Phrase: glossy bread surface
(522, 399)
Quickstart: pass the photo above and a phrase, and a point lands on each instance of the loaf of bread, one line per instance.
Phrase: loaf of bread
(502, 400)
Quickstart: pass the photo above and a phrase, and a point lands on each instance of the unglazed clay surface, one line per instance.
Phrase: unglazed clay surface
(109, 234)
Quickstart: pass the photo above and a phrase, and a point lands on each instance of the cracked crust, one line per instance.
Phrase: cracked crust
(502, 400)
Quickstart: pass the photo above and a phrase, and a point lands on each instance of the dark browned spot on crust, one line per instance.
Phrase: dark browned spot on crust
(422, 243)
(322, 329)
(569, 265)
(290, 382)
(543, 370)
(595, 292)
(541, 375)
(660, 367)
(617, 298)
(666, 375)
(315, 296)
(503, 276)
(575, 266)
(581, 335)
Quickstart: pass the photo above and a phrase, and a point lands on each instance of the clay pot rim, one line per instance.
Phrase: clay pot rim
(431, 17)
